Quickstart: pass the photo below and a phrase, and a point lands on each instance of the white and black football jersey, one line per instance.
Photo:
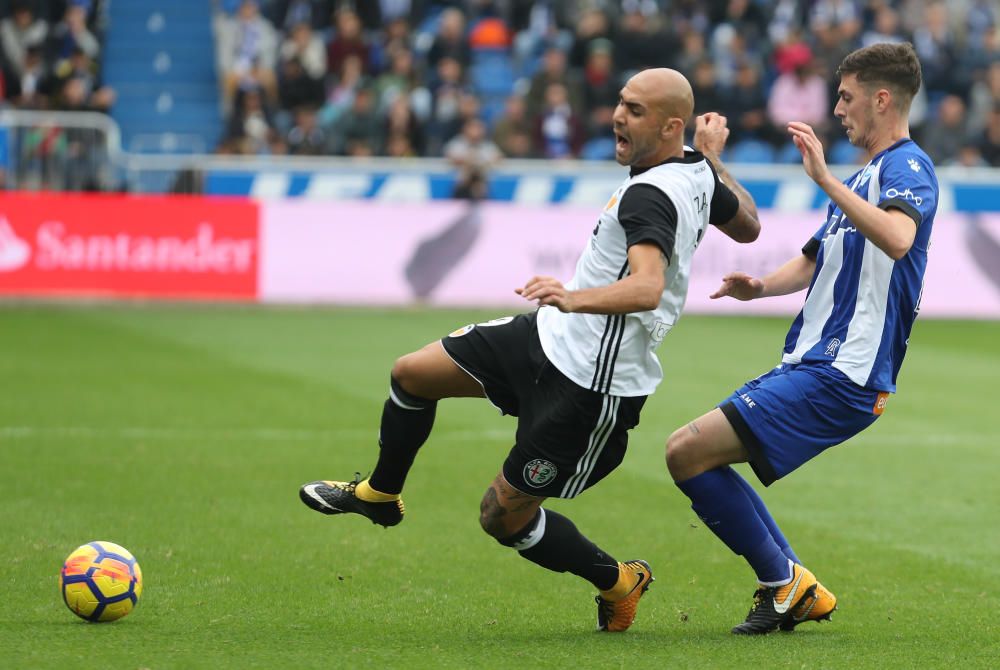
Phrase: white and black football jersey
(669, 205)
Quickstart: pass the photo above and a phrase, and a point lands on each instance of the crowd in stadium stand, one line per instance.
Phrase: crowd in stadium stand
(50, 52)
(479, 80)
(476, 80)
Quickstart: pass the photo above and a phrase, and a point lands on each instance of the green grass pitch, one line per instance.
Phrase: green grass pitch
(183, 433)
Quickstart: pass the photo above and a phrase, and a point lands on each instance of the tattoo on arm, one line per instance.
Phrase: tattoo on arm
(746, 202)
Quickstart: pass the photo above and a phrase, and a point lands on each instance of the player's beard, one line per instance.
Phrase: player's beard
(638, 152)
(863, 140)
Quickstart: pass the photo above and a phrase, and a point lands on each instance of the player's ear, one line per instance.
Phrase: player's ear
(883, 99)
(671, 127)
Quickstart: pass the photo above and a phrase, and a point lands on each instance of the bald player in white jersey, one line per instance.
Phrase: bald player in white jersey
(577, 371)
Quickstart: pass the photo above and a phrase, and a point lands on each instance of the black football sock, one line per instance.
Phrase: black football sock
(406, 423)
(552, 541)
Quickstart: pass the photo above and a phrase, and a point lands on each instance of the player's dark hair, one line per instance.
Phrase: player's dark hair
(892, 66)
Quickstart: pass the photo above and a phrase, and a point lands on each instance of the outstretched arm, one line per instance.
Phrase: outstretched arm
(791, 277)
(640, 291)
(892, 230)
(710, 137)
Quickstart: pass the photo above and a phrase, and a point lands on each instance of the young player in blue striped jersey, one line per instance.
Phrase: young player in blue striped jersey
(864, 269)
(577, 371)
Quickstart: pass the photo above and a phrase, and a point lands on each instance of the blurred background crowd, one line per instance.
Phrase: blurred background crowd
(479, 80)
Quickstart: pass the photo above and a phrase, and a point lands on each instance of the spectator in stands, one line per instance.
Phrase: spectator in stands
(886, 27)
(730, 48)
(472, 152)
(594, 25)
(559, 131)
(644, 41)
(84, 71)
(989, 141)
(745, 106)
(348, 41)
(799, 93)
(979, 56)
(835, 28)
(297, 87)
(304, 45)
(72, 33)
(980, 18)
(394, 10)
(707, 96)
(306, 137)
(341, 95)
(18, 33)
(601, 89)
(513, 132)
(786, 21)
(397, 34)
(35, 86)
(251, 130)
(447, 95)
(358, 132)
(554, 70)
(538, 25)
(404, 132)
(450, 41)
(985, 95)
(693, 51)
(942, 138)
(836, 21)
(937, 47)
(289, 13)
(401, 78)
(742, 17)
(246, 53)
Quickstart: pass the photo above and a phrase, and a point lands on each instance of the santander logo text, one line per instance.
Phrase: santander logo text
(129, 246)
(203, 252)
(14, 252)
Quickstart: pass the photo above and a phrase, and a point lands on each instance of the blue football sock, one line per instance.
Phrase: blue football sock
(765, 516)
(729, 513)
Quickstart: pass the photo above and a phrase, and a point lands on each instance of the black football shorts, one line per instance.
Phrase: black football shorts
(568, 437)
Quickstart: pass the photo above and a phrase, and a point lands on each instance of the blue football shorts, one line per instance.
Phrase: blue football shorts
(793, 413)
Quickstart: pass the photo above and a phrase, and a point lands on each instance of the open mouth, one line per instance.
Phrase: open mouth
(621, 143)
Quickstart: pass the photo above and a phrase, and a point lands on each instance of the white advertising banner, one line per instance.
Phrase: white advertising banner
(456, 254)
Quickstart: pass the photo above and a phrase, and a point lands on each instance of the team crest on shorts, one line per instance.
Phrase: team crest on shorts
(461, 331)
(540, 472)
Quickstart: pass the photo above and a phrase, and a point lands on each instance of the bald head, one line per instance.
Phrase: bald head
(651, 116)
(665, 90)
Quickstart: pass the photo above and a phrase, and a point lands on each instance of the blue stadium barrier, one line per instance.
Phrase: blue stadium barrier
(540, 182)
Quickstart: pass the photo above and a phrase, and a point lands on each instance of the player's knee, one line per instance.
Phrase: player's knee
(680, 453)
(491, 520)
(406, 372)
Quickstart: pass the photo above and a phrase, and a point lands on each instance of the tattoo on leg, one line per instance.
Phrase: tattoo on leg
(693, 427)
(491, 513)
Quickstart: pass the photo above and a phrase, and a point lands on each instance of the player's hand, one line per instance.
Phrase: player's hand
(547, 291)
(811, 149)
(710, 133)
(739, 285)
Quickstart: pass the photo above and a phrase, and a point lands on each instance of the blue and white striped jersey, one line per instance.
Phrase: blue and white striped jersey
(861, 304)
